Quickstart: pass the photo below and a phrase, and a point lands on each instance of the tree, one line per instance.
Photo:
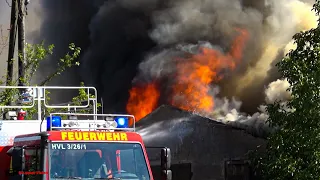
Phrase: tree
(36, 53)
(293, 150)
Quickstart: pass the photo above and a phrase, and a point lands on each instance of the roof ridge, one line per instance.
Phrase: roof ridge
(252, 130)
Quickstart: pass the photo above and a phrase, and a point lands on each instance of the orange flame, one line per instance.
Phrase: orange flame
(194, 75)
(143, 100)
(197, 72)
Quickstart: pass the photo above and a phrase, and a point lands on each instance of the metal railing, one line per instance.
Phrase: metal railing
(38, 94)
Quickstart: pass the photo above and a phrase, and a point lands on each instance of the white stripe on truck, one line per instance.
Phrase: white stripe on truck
(31, 138)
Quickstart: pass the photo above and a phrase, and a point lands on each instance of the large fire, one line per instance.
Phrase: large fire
(194, 75)
(143, 100)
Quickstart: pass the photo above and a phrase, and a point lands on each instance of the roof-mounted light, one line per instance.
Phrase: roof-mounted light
(111, 124)
(56, 122)
(122, 122)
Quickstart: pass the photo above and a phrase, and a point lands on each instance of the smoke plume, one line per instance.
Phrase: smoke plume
(216, 57)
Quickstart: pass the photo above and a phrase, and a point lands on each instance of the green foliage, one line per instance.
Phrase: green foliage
(35, 54)
(67, 61)
(83, 96)
(293, 151)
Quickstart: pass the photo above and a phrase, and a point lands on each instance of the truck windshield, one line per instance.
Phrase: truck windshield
(92, 160)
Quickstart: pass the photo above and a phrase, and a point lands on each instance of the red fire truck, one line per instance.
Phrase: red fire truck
(71, 145)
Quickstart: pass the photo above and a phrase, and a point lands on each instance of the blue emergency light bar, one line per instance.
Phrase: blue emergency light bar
(122, 122)
(56, 122)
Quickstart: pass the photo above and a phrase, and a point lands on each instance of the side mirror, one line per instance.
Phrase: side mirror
(165, 159)
(166, 173)
(16, 152)
(10, 151)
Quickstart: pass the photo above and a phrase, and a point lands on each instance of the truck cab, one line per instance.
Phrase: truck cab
(70, 145)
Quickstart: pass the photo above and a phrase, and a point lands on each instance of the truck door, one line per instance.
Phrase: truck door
(25, 163)
(131, 160)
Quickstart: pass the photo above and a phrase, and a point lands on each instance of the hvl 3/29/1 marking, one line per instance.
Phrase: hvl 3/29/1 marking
(75, 146)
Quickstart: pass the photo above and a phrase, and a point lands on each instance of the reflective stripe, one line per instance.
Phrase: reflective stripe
(10, 162)
(31, 138)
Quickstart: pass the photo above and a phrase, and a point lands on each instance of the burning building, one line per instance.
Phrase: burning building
(201, 148)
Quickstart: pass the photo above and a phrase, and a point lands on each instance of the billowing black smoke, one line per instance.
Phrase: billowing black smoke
(117, 35)
(64, 21)
(124, 32)
(119, 41)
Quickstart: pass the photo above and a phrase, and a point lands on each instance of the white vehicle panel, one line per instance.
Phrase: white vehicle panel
(10, 129)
